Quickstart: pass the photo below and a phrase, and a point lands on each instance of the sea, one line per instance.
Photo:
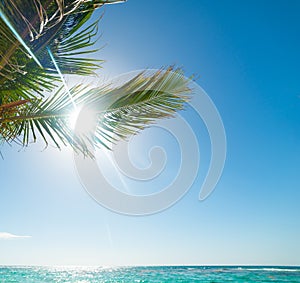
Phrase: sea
(188, 274)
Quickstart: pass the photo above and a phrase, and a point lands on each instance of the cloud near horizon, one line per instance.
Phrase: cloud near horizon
(8, 236)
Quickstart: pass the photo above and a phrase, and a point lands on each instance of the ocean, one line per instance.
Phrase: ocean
(188, 274)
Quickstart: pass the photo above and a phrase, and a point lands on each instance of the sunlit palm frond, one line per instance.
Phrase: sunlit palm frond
(142, 101)
(119, 111)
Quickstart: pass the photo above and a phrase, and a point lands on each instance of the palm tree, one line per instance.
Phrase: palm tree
(42, 39)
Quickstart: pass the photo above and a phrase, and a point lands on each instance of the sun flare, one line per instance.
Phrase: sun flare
(73, 118)
(83, 120)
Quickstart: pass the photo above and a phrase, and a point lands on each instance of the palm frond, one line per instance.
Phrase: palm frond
(142, 101)
(119, 112)
(68, 51)
(34, 18)
(42, 23)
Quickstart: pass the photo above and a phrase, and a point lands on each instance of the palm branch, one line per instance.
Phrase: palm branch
(56, 28)
(119, 112)
(25, 115)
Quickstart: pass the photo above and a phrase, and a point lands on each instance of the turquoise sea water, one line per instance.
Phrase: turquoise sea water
(186, 274)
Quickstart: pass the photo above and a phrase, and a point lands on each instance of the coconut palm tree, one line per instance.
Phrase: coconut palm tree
(42, 39)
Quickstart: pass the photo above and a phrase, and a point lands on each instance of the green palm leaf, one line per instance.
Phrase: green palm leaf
(54, 23)
(119, 112)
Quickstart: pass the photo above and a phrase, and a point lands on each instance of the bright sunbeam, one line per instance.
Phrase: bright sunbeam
(73, 118)
(83, 120)
(62, 78)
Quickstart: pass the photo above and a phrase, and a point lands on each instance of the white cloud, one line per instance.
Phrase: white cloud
(8, 236)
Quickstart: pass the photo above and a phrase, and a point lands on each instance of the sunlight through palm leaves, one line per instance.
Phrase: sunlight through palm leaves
(26, 115)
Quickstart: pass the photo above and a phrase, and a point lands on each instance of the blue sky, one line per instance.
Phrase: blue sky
(246, 54)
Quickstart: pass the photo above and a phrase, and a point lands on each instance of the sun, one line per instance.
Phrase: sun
(72, 120)
(83, 120)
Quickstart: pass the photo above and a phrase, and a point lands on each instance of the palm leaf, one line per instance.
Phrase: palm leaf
(42, 23)
(119, 112)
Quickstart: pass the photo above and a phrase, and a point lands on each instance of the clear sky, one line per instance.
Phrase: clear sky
(246, 54)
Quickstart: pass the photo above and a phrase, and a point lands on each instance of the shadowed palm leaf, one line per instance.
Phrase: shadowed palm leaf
(57, 29)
